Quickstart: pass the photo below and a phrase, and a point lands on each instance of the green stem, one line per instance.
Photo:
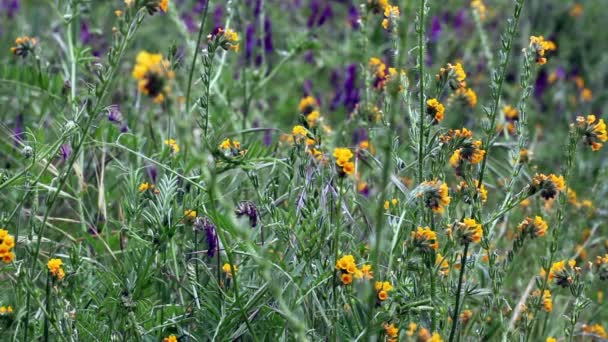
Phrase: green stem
(421, 90)
(48, 307)
(463, 266)
(193, 64)
(498, 84)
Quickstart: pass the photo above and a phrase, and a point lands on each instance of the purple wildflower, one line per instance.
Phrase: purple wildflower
(199, 6)
(249, 41)
(351, 92)
(248, 208)
(114, 114)
(268, 46)
(11, 7)
(218, 15)
(268, 138)
(18, 130)
(205, 225)
(353, 17)
(314, 12)
(152, 172)
(65, 150)
(327, 14)
(435, 29)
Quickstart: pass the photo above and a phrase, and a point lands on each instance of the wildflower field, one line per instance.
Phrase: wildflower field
(303, 170)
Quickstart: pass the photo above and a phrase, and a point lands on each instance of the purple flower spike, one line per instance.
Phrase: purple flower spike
(268, 46)
(249, 41)
(435, 29)
(114, 114)
(327, 14)
(65, 150)
(152, 172)
(18, 131)
(205, 225)
(353, 17)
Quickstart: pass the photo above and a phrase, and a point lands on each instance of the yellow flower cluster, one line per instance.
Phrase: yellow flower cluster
(443, 264)
(549, 186)
(454, 75)
(227, 144)
(436, 110)
(465, 316)
(309, 108)
(540, 46)
(435, 195)
(170, 338)
(6, 310)
(299, 132)
(152, 6)
(391, 15)
(393, 202)
(7, 243)
(536, 227)
(23, 46)
(190, 214)
(172, 145)
(547, 301)
(343, 156)
(425, 239)
(562, 272)
(466, 96)
(480, 8)
(596, 330)
(593, 130)
(383, 288)
(391, 332)
(470, 151)
(348, 269)
(153, 74)
(379, 70)
(483, 192)
(469, 231)
(143, 187)
(54, 266)
(511, 115)
(425, 336)
(227, 39)
(230, 270)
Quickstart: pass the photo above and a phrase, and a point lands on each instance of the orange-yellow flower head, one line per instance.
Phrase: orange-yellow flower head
(535, 227)
(593, 131)
(7, 243)
(425, 239)
(435, 196)
(382, 289)
(562, 273)
(549, 186)
(465, 96)
(23, 46)
(468, 231)
(153, 75)
(343, 156)
(391, 16)
(54, 266)
(435, 110)
(546, 300)
(602, 266)
(227, 39)
(453, 75)
(170, 338)
(379, 70)
(540, 47)
(229, 269)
